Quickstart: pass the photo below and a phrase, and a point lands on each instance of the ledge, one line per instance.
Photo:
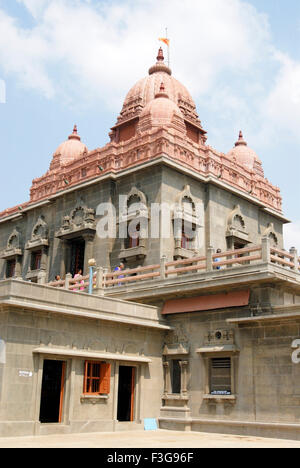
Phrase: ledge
(10, 253)
(35, 244)
(218, 349)
(265, 318)
(220, 398)
(139, 251)
(93, 398)
(175, 396)
(91, 354)
(184, 253)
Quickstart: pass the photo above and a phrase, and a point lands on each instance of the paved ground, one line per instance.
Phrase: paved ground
(152, 439)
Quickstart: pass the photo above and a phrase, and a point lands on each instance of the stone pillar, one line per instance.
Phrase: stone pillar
(42, 277)
(265, 252)
(167, 378)
(99, 289)
(209, 259)
(293, 251)
(64, 258)
(163, 261)
(44, 259)
(67, 281)
(88, 251)
(183, 367)
(18, 269)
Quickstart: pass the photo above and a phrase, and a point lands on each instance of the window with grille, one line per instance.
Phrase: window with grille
(96, 378)
(220, 376)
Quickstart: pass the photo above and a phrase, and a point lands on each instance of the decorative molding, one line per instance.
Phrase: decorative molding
(80, 221)
(236, 226)
(39, 235)
(14, 245)
(270, 232)
(176, 342)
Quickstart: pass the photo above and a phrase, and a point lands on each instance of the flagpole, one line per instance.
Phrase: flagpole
(168, 48)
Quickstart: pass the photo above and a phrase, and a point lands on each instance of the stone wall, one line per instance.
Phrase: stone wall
(21, 376)
(159, 184)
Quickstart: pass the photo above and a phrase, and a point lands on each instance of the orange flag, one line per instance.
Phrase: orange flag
(165, 40)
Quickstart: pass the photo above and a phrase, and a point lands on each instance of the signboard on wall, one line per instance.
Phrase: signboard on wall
(296, 353)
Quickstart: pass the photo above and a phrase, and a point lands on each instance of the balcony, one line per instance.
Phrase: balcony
(211, 273)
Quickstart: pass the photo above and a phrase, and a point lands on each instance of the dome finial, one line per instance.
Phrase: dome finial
(160, 57)
(241, 140)
(160, 65)
(74, 135)
(162, 91)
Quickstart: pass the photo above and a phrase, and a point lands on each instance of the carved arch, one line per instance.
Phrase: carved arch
(40, 229)
(236, 215)
(14, 240)
(136, 193)
(270, 232)
(185, 194)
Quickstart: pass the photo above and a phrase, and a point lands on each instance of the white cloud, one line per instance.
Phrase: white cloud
(281, 109)
(81, 49)
(35, 7)
(86, 51)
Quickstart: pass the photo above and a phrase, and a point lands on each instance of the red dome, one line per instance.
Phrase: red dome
(145, 90)
(161, 111)
(71, 149)
(245, 156)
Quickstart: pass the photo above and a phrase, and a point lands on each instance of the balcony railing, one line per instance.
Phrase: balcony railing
(163, 271)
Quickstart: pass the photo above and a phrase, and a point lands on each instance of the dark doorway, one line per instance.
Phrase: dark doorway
(52, 391)
(77, 256)
(126, 393)
(176, 376)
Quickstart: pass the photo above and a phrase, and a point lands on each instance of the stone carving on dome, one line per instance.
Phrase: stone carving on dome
(39, 235)
(13, 246)
(81, 220)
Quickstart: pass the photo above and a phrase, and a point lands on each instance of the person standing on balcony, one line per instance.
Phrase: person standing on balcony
(218, 259)
(120, 268)
(79, 279)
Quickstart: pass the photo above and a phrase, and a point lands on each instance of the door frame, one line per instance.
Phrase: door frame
(44, 358)
(133, 397)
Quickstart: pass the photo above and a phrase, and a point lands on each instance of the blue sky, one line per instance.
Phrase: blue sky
(73, 61)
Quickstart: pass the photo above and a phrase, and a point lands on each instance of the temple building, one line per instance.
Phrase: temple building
(199, 330)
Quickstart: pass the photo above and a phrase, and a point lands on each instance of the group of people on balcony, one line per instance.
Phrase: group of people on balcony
(78, 281)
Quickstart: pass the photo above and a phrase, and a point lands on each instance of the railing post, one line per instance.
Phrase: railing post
(41, 277)
(99, 281)
(209, 258)
(293, 251)
(265, 249)
(67, 280)
(163, 262)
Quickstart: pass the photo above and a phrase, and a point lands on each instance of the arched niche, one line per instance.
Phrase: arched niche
(134, 226)
(237, 235)
(186, 224)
